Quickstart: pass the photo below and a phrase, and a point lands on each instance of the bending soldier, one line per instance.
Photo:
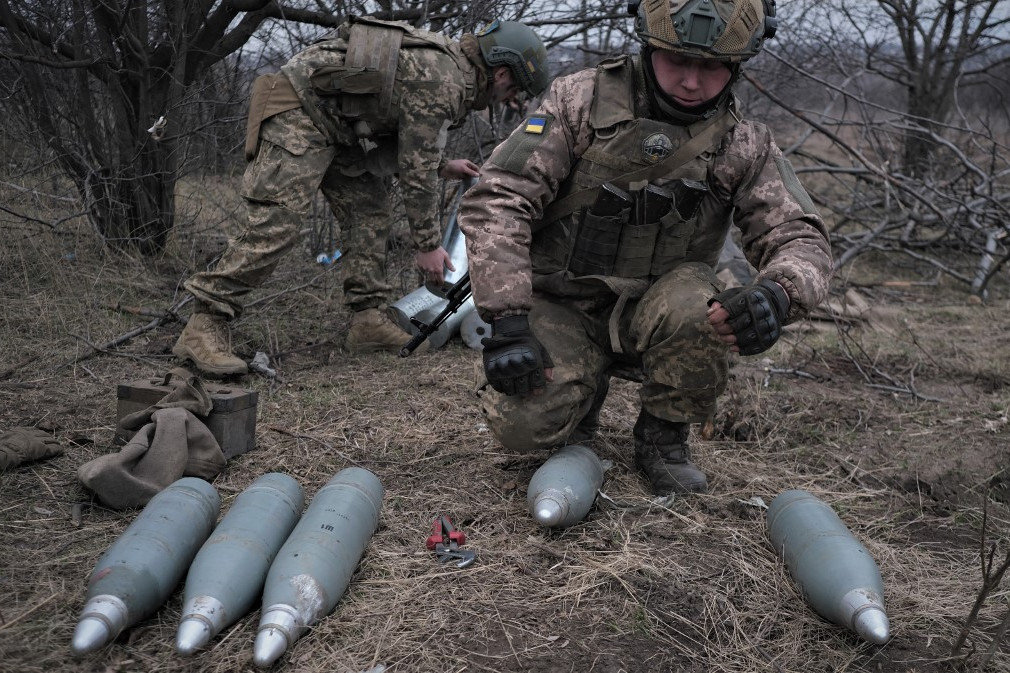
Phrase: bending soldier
(371, 99)
(594, 230)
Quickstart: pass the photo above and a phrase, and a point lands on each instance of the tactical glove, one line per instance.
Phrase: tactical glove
(514, 360)
(22, 445)
(756, 314)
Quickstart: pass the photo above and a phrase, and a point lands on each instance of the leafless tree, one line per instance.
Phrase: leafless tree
(125, 95)
(894, 145)
(894, 111)
(112, 88)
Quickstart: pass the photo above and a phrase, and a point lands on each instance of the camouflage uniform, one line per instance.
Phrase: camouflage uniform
(650, 315)
(303, 139)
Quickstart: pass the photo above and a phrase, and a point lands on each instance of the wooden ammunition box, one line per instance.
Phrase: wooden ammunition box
(232, 419)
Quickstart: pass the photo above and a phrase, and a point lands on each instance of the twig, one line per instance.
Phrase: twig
(23, 363)
(906, 390)
(7, 625)
(123, 338)
(302, 349)
(298, 435)
(105, 348)
(139, 310)
(996, 640)
(895, 386)
(263, 300)
(990, 580)
(793, 372)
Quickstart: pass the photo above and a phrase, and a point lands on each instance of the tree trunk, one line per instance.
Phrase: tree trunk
(133, 208)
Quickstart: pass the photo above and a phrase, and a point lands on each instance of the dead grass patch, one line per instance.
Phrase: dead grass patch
(690, 586)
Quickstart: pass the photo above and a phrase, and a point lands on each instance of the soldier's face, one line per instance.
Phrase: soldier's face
(503, 87)
(689, 81)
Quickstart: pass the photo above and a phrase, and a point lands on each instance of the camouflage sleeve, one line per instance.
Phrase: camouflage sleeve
(782, 234)
(428, 106)
(518, 181)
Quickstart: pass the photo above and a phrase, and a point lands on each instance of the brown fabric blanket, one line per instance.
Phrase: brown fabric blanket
(171, 442)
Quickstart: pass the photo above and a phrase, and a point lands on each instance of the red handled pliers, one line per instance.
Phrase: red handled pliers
(446, 541)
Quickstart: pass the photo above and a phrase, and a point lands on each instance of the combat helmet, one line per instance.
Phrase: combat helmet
(515, 45)
(727, 30)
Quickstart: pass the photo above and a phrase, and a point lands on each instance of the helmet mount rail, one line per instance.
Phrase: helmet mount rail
(728, 30)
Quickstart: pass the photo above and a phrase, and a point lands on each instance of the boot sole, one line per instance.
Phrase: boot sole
(184, 353)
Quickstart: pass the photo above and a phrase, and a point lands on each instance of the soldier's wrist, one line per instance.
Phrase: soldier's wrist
(509, 312)
(515, 323)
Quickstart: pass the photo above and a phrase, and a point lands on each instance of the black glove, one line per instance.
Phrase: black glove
(514, 360)
(756, 314)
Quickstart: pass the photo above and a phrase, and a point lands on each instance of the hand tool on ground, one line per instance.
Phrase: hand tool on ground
(447, 541)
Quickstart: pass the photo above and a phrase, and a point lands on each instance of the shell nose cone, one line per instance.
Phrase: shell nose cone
(192, 635)
(270, 645)
(547, 512)
(873, 626)
(89, 635)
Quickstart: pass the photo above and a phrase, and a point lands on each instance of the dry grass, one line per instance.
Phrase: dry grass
(691, 585)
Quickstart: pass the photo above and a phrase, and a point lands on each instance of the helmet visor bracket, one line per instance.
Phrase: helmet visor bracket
(700, 28)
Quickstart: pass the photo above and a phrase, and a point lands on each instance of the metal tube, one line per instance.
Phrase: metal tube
(141, 568)
(836, 574)
(313, 568)
(412, 304)
(228, 573)
(473, 329)
(450, 327)
(562, 491)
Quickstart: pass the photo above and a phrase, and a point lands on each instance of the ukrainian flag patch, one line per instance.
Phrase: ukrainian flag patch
(536, 125)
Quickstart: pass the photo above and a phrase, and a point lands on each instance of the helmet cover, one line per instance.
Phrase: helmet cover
(727, 30)
(514, 44)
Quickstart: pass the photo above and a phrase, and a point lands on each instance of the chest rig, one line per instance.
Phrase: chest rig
(629, 208)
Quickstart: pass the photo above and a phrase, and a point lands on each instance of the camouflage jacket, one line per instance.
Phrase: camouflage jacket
(751, 185)
(435, 86)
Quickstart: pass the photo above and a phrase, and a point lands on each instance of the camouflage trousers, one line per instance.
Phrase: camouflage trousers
(293, 162)
(665, 333)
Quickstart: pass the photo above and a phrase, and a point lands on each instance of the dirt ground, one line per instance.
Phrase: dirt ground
(898, 418)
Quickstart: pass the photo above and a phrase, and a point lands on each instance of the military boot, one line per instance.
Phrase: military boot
(205, 342)
(372, 330)
(661, 451)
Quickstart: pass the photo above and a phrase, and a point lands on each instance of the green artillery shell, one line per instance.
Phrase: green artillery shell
(563, 489)
(142, 567)
(227, 575)
(836, 574)
(313, 568)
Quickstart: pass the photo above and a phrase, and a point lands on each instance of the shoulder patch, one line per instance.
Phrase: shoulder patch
(517, 148)
(536, 124)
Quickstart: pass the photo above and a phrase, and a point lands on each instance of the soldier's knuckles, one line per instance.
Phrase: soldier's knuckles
(740, 323)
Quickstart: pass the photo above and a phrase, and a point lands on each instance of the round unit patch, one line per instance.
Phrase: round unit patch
(656, 147)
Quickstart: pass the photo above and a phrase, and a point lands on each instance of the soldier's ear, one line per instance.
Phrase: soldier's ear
(501, 72)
